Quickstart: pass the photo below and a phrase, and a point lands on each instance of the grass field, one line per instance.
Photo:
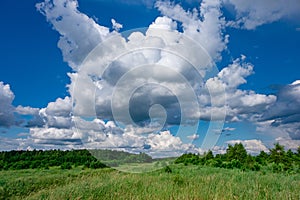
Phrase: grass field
(185, 182)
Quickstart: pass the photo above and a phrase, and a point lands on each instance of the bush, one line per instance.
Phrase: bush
(188, 159)
(168, 169)
(236, 164)
(277, 167)
(255, 167)
(211, 163)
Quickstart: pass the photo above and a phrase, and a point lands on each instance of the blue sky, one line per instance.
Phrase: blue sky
(261, 52)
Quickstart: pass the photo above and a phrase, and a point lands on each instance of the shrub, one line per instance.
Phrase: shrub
(236, 164)
(97, 165)
(168, 169)
(188, 159)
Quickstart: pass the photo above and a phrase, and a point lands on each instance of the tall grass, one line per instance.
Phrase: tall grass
(185, 182)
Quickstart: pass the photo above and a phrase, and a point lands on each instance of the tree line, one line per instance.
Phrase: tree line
(40, 159)
(236, 156)
(45, 159)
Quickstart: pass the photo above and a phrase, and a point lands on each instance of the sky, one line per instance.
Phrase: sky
(161, 77)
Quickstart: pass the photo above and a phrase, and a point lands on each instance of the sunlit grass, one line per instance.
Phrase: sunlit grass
(185, 182)
(143, 167)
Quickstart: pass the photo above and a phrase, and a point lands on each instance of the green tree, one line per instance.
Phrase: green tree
(209, 155)
(277, 154)
(237, 152)
(262, 158)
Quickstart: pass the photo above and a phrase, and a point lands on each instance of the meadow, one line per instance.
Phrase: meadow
(181, 182)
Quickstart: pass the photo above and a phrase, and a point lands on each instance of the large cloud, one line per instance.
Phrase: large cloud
(284, 114)
(204, 26)
(162, 66)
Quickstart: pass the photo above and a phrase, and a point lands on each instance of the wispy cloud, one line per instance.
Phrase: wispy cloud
(251, 14)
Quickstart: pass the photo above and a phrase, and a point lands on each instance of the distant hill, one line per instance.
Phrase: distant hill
(66, 159)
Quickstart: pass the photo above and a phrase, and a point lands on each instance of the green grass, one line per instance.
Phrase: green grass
(185, 182)
(144, 167)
